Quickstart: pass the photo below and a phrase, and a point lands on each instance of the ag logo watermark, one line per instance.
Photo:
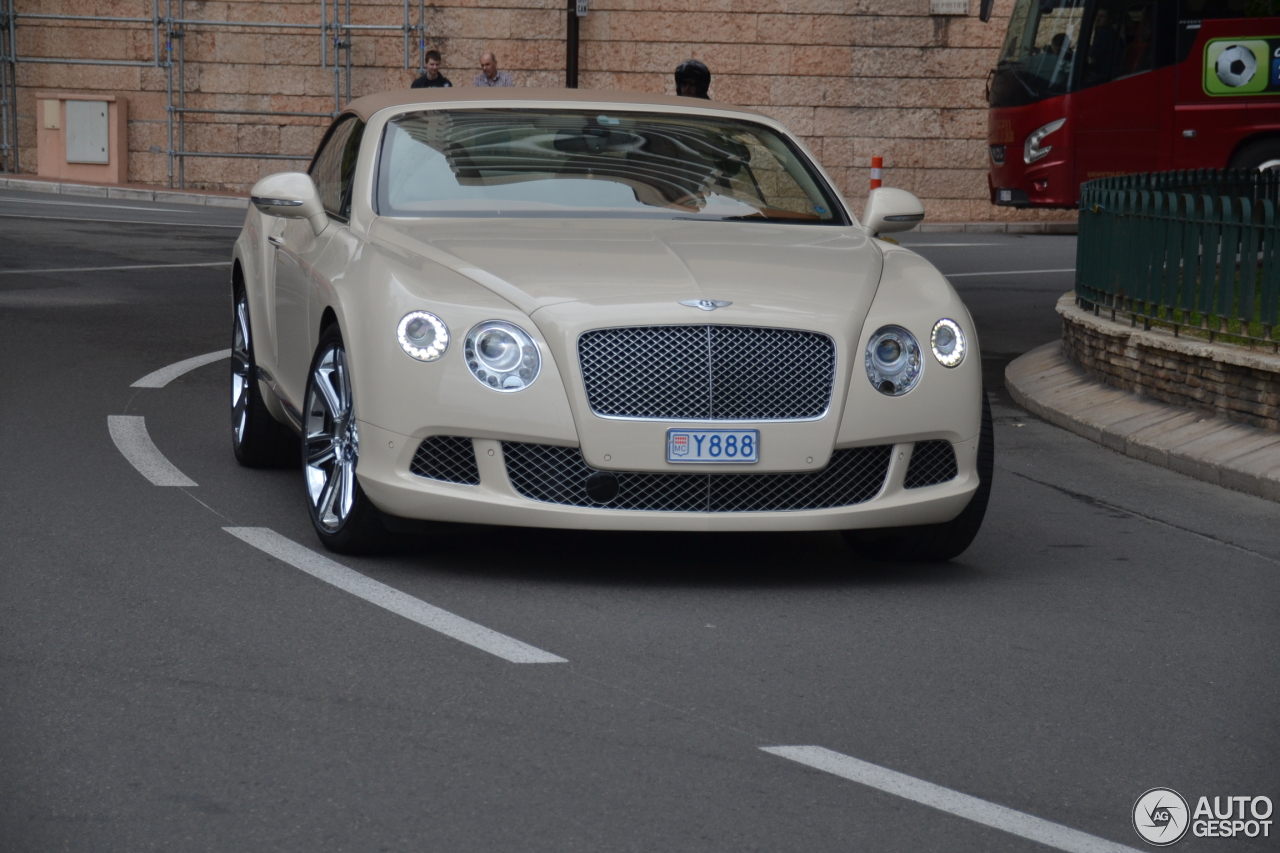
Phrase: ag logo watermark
(1162, 817)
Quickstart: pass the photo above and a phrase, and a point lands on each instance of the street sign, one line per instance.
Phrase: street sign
(582, 8)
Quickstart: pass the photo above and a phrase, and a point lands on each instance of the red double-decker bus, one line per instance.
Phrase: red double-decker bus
(1094, 88)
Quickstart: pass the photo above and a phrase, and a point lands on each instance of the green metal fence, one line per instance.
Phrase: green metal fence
(1195, 249)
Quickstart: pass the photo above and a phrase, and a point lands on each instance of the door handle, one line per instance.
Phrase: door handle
(275, 241)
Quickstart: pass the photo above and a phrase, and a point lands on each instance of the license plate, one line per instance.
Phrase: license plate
(713, 445)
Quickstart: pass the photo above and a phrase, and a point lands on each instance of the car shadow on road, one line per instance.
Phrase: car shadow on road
(771, 560)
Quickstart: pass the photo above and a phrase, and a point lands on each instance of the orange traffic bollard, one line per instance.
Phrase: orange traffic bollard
(877, 172)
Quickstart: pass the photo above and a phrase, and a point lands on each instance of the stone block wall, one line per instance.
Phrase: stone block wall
(1240, 383)
(855, 78)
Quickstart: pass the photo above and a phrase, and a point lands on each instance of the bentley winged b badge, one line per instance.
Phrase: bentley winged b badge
(706, 304)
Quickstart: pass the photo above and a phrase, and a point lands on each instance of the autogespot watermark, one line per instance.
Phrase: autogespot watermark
(1162, 817)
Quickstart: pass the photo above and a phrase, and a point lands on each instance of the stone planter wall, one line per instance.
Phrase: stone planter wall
(1238, 382)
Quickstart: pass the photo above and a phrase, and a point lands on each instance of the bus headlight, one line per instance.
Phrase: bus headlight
(1032, 151)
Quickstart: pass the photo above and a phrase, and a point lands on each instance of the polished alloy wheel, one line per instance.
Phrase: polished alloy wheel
(241, 366)
(332, 441)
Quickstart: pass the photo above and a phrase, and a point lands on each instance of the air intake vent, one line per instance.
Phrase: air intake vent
(932, 462)
(451, 458)
(559, 475)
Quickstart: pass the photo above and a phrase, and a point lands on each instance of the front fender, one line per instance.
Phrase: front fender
(947, 401)
(415, 399)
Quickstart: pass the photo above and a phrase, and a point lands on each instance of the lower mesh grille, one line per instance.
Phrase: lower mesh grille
(446, 457)
(559, 474)
(932, 462)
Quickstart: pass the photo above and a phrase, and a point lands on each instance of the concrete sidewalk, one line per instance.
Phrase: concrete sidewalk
(1196, 443)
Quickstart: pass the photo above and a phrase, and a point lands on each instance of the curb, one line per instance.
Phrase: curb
(995, 228)
(1199, 444)
(132, 193)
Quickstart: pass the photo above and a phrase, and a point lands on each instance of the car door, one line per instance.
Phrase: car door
(1118, 106)
(298, 250)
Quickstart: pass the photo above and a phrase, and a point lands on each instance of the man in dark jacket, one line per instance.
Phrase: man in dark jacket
(693, 79)
(433, 79)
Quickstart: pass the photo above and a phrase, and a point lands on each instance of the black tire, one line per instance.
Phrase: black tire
(344, 518)
(258, 439)
(1256, 155)
(935, 542)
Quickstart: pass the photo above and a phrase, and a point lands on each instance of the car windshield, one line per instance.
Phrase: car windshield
(1037, 58)
(522, 162)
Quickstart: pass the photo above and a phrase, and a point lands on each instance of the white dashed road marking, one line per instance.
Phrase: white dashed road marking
(953, 802)
(165, 375)
(389, 598)
(130, 267)
(129, 432)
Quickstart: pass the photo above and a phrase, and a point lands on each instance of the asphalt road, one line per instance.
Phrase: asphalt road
(167, 686)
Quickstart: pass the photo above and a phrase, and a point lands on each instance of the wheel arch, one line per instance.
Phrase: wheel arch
(327, 319)
(1270, 135)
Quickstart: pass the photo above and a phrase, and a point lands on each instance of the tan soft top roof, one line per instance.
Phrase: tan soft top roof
(370, 104)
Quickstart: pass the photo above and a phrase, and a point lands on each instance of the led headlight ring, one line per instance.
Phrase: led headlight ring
(422, 335)
(948, 343)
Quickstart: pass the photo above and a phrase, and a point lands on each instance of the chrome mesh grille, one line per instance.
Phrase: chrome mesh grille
(707, 372)
(451, 458)
(932, 462)
(558, 475)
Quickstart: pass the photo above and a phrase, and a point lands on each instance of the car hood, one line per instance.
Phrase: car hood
(572, 276)
(640, 270)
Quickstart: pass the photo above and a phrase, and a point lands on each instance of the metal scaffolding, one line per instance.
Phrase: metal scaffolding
(169, 33)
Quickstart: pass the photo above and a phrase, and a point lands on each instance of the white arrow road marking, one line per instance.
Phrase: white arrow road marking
(165, 375)
(953, 802)
(129, 432)
(390, 598)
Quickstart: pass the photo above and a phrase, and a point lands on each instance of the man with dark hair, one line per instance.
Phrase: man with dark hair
(693, 79)
(433, 79)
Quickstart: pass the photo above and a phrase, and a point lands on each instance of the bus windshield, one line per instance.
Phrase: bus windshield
(1036, 60)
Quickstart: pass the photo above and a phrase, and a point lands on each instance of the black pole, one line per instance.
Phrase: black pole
(571, 48)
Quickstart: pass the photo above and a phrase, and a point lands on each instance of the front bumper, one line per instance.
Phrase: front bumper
(384, 474)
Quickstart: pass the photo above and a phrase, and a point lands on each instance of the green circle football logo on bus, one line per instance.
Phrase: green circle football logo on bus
(1234, 66)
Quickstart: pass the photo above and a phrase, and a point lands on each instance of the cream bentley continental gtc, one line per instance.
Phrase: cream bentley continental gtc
(607, 311)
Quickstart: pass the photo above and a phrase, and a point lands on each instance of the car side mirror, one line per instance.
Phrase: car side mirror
(891, 210)
(290, 195)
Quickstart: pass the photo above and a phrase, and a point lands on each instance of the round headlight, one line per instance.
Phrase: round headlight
(502, 356)
(893, 360)
(947, 343)
(423, 335)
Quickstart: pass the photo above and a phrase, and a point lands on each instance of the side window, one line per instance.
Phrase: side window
(1122, 41)
(334, 166)
(1191, 13)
